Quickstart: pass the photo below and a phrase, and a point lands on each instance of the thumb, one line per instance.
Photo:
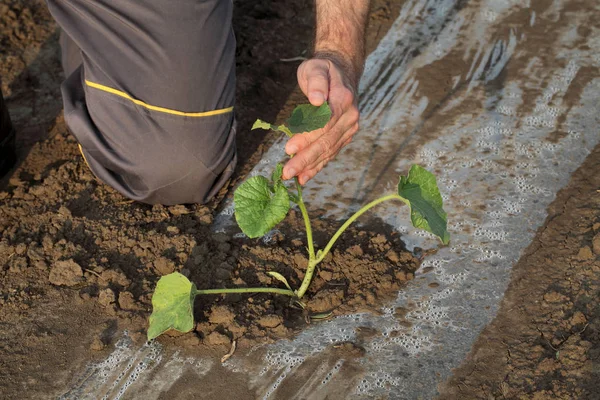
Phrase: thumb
(313, 77)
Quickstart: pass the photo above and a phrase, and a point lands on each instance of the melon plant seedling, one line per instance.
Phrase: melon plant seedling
(261, 203)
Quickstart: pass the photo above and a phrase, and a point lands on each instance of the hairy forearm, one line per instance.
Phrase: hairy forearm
(340, 34)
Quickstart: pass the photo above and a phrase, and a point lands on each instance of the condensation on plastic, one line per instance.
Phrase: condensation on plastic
(497, 170)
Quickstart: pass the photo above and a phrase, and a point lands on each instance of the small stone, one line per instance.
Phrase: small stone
(66, 273)
(106, 297)
(596, 244)
(173, 229)
(97, 344)
(585, 253)
(217, 339)
(164, 266)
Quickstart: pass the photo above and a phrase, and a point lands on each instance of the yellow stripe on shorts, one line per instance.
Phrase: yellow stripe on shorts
(156, 108)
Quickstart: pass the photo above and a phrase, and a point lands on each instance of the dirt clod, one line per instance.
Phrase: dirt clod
(217, 339)
(269, 321)
(106, 297)
(221, 315)
(97, 344)
(164, 266)
(66, 273)
(127, 302)
(585, 253)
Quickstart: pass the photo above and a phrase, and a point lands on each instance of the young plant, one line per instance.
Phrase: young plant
(261, 203)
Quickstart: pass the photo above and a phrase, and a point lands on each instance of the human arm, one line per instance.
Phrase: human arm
(331, 75)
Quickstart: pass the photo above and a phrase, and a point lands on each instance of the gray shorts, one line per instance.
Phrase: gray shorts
(149, 94)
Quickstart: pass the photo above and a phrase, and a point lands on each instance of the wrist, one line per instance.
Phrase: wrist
(351, 69)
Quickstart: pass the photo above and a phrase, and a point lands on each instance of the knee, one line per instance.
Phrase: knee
(177, 176)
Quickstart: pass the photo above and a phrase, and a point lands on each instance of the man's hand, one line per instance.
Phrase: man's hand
(321, 79)
(331, 75)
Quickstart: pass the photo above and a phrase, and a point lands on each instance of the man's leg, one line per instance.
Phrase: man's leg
(151, 103)
(7, 139)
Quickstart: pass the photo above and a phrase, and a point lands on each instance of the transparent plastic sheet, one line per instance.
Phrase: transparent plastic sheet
(502, 142)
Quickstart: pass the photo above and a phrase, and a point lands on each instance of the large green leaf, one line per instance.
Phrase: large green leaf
(307, 118)
(260, 205)
(420, 191)
(172, 305)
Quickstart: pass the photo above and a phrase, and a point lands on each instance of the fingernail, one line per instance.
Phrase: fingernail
(304, 179)
(292, 149)
(291, 172)
(317, 97)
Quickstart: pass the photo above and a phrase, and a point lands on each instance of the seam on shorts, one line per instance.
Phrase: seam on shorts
(156, 108)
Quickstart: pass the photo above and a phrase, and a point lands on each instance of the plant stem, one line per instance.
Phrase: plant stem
(353, 218)
(313, 262)
(309, 238)
(286, 292)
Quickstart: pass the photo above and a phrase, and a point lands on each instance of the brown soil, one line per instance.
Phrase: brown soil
(545, 341)
(78, 262)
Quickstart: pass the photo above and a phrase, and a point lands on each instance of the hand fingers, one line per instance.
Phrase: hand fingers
(323, 158)
(308, 175)
(313, 78)
(341, 103)
(323, 148)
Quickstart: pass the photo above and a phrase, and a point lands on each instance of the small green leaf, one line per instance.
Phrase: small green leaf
(260, 124)
(172, 305)
(277, 174)
(307, 118)
(284, 129)
(420, 191)
(280, 278)
(259, 206)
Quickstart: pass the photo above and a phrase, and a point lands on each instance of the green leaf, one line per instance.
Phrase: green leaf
(259, 206)
(304, 118)
(420, 191)
(280, 278)
(307, 118)
(260, 124)
(172, 305)
(277, 174)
